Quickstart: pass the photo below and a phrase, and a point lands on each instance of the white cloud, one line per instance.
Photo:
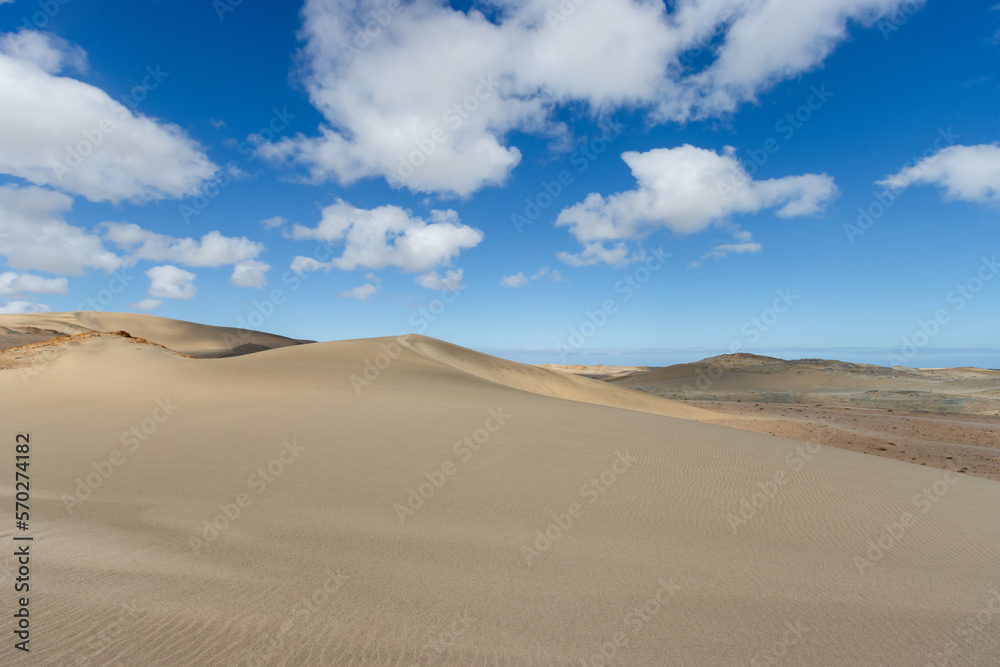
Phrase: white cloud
(147, 304)
(387, 236)
(34, 235)
(362, 292)
(391, 99)
(213, 249)
(516, 280)
(969, 173)
(16, 284)
(274, 222)
(520, 279)
(684, 189)
(553, 275)
(19, 307)
(67, 134)
(720, 251)
(171, 282)
(596, 253)
(307, 265)
(451, 280)
(46, 51)
(250, 273)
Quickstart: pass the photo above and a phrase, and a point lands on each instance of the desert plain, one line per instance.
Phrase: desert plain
(211, 496)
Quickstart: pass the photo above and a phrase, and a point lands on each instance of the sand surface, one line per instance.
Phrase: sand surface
(561, 518)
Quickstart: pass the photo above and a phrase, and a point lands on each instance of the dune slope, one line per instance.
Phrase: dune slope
(270, 509)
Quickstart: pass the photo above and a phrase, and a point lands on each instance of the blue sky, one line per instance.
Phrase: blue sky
(741, 139)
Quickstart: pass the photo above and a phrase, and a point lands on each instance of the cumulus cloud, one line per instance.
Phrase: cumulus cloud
(516, 280)
(451, 280)
(15, 284)
(597, 253)
(968, 173)
(61, 132)
(250, 273)
(19, 307)
(552, 274)
(307, 265)
(147, 304)
(274, 222)
(684, 190)
(391, 111)
(171, 282)
(48, 52)
(744, 244)
(720, 251)
(213, 249)
(35, 235)
(386, 236)
(362, 292)
(519, 279)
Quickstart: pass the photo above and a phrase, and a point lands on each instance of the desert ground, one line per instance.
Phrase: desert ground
(209, 496)
(947, 418)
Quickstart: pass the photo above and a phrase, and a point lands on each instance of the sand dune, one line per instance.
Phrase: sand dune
(197, 340)
(359, 503)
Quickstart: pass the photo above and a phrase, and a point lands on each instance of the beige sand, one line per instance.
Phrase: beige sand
(325, 564)
(197, 340)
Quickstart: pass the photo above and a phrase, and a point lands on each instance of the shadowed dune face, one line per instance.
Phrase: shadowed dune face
(455, 508)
